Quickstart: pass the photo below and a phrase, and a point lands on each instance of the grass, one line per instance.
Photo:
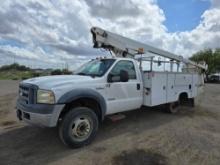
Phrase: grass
(16, 71)
(15, 75)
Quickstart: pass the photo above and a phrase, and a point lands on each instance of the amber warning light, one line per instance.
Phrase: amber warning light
(140, 50)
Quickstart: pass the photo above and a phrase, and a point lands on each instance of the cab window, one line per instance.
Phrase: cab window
(124, 65)
(96, 67)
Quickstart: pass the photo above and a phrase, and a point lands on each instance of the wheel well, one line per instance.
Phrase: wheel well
(83, 102)
(183, 98)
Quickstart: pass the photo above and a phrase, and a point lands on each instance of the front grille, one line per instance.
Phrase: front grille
(26, 94)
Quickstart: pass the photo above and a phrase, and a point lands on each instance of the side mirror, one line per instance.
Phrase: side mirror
(109, 78)
(124, 76)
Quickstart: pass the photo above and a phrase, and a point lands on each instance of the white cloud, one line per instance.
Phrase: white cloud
(215, 3)
(51, 32)
(205, 35)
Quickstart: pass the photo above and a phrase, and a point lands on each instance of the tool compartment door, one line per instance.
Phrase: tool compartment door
(183, 83)
(171, 94)
(159, 88)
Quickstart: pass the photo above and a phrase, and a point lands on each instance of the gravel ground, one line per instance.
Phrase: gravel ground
(146, 136)
(8, 87)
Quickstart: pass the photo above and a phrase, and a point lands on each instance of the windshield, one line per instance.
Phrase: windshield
(96, 67)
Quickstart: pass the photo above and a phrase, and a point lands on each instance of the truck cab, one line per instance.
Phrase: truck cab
(104, 86)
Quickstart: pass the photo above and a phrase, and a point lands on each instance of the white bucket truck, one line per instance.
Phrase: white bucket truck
(78, 103)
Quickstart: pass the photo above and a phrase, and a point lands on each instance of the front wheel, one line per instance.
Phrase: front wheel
(78, 127)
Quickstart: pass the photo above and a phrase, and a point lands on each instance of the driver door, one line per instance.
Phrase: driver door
(123, 96)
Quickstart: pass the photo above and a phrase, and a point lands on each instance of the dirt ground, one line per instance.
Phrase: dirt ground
(144, 137)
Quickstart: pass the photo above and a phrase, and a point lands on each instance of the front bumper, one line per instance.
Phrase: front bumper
(45, 115)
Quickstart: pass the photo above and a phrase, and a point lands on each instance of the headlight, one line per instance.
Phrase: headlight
(45, 97)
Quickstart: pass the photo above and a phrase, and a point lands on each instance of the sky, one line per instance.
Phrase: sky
(183, 15)
(56, 33)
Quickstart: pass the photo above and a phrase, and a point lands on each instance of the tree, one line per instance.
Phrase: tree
(66, 71)
(14, 66)
(211, 58)
(61, 72)
(217, 59)
(56, 72)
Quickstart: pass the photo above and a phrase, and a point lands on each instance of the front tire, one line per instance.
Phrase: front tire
(78, 127)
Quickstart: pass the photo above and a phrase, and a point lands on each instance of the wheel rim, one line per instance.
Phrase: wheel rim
(81, 128)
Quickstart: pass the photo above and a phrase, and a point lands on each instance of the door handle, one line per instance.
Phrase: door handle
(138, 86)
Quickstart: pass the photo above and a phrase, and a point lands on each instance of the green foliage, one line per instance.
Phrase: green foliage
(21, 72)
(56, 72)
(15, 75)
(66, 71)
(14, 66)
(61, 72)
(211, 57)
(15, 72)
(35, 74)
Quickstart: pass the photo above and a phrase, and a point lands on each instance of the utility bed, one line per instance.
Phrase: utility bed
(165, 87)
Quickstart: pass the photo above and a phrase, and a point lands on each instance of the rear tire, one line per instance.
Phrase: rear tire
(78, 127)
(172, 107)
(192, 102)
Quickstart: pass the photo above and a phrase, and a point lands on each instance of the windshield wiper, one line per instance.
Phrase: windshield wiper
(93, 75)
(81, 73)
(84, 74)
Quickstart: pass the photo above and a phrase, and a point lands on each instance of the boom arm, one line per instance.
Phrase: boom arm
(124, 47)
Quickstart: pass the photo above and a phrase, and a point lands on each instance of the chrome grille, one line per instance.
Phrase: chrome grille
(26, 94)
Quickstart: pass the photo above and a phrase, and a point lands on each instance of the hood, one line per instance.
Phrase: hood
(49, 82)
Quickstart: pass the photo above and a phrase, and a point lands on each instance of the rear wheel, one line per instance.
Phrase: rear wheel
(172, 107)
(78, 127)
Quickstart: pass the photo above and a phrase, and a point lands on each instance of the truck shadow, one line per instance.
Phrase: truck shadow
(31, 145)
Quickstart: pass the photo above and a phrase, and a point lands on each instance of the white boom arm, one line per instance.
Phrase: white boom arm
(123, 46)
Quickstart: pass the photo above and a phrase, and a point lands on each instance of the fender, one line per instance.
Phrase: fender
(82, 93)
